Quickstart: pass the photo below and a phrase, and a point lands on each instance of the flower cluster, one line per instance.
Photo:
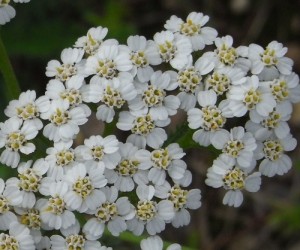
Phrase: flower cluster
(140, 183)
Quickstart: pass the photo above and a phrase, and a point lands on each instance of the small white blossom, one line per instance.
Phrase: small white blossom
(9, 197)
(250, 96)
(272, 57)
(64, 120)
(150, 214)
(173, 48)
(272, 151)
(29, 179)
(112, 95)
(18, 237)
(113, 211)
(209, 118)
(110, 61)
(182, 200)
(237, 145)
(190, 81)
(276, 122)
(154, 99)
(84, 187)
(225, 55)
(99, 152)
(61, 157)
(193, 28)
(15, 136)
(130, 169)
(54, 211)
(28, 107)
(70, 66)
(231, 177)
(145, 130)
(143, 54)
(167, 160)
(91, 42)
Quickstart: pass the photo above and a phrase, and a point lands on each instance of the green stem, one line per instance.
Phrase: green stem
(11, 86)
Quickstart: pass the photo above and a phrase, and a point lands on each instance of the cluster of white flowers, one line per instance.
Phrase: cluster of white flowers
(140, 184)
(7, 12)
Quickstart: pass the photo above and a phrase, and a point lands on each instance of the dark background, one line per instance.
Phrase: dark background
(269, 219)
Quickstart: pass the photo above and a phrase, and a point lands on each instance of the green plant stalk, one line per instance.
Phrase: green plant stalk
(11, 89)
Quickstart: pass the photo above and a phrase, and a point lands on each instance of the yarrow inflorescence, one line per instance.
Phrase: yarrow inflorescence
(139, 182)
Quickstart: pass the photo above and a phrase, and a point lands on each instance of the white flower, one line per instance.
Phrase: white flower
(173, 48)
(285, 88)
(53, 211)
(70, 66)
(60, 158)
(143, 128)
(7, 12)
(231, 177)
(190, 81)
(91, 42)
(262, 127)
(29, 180)
(269, 58)
(99, 152)
(71, 91)
(18, 237)
(9, 197)
(156, 243)
(182, 201)
(110, 61)
(275, 161)
(237, 145)
(222, 79)
(84, 187)
(150, 214)
(113, 211)
(227, 55)
(28, 108)
(15, 136)
(193, 29)
(31, 219)
(130, 169)
(113, 94)
(167, 160)
(154, 99)
(143, 54)
(64, 120)
(72, 239)
(250, 96)
(209, 118)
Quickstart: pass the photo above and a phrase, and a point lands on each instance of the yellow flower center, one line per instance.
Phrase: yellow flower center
(29, 181)
(272, 150)
(189, 28)
(146, 210)
(153, 96)
(27, 112)
(234, 179)
(31, 219)
(188, 80)
(83, 187)
(112, 98)
(139, 59)
(143, 125)
(106, 212)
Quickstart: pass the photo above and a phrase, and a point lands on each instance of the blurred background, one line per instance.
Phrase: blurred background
(269, 219)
